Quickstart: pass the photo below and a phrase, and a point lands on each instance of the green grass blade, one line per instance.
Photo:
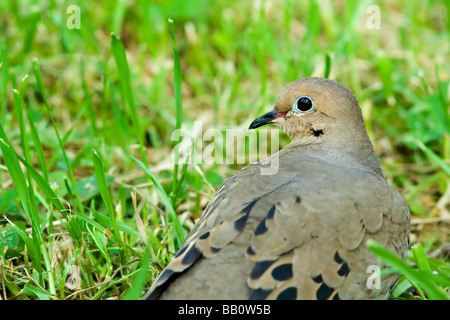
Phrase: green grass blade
(401, 287)
(443, 105)
(179, 231)
(31, 199)
(4, 79)
(105, 92)
(106, 221)
(178, 106)
(121, 122)
(38, 146)
(74, 229)
(18, 108)
(3, 135)
(104, 192)
(48, 267)
(33, 250)
(138, 281)
(433, 157)
(101, 181)
(26, 195)
(91, 222)
(87, 99)
(125, 80)
(44, 186)
(30, 28)
(37, 243)
(38, 292)
(176, 78)
(16, 176)
(100, 240)
(118, 16)
(420, 258)
(327, 66)
(40, 85)
(26, 192)
(68, 133)
(12, 287)
(113, 283)
(63, 278)
(417, 278)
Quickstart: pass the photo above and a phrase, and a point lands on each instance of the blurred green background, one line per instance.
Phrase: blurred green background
(234, 57)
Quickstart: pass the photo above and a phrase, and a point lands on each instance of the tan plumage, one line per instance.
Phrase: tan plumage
(300, 233)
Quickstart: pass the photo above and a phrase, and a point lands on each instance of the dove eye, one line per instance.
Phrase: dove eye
(303, 104)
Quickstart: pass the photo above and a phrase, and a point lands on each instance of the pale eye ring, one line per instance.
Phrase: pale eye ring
(303, 104)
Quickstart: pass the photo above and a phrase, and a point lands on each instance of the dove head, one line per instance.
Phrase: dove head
(322, 114)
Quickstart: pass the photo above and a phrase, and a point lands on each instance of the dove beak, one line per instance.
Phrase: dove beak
(267, 118)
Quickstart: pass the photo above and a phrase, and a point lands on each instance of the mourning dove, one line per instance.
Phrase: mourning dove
(299, 233)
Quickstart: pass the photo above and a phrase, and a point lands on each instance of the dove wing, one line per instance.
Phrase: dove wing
(298, 234)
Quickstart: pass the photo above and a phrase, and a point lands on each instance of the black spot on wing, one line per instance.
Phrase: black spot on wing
(288, 294)
(240, 223)
(282, 272)
(338, 258)
(250, 251)
(181, 251)
(214, 205)
(204, 236)
(190, 256)
(271, 212)
(259, 294)
(165, 275)
(249, 206)
(336, 296)
(261, 228)
(317, 279)
(344, 270)
(163, 281)
(324, 292)
(260, 268)
(298, 199)
(215, 250)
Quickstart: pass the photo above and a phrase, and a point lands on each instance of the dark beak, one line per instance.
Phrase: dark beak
(267, 118)
(264, 119)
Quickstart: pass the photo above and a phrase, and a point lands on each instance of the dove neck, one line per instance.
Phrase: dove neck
(355, 154)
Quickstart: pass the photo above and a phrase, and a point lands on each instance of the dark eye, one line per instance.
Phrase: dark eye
(302, 105)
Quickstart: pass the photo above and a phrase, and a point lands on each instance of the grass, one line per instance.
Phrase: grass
(92, 205)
